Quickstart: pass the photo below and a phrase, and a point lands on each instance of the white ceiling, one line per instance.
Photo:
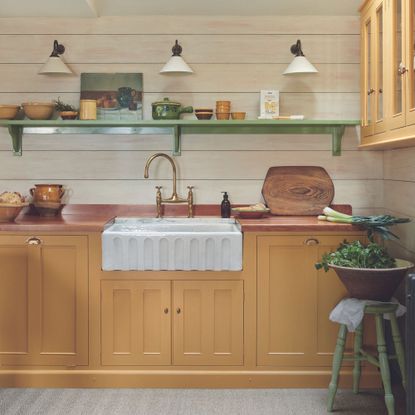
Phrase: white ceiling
(94, 8)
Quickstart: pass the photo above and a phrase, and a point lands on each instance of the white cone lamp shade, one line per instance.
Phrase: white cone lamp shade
(300, 64)
(176, 64)
(55, 64)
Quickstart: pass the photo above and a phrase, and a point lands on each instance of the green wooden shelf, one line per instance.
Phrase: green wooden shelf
(177, 128)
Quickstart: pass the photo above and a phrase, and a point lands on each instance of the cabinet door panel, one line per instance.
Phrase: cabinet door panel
(63, 300)
(295, 300)
(14, 301)
(397, 66)
(208, 322)
(410, 57)
(44, 311)
(135, 323)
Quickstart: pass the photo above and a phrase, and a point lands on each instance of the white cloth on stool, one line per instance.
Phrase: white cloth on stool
(350, 311)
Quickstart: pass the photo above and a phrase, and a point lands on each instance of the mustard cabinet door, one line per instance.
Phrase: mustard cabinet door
(44, 300)
(295, 300)
(135, 323)
(208, 322)
(16, 304)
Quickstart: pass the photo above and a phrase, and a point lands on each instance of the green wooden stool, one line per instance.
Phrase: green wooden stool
(359, 355)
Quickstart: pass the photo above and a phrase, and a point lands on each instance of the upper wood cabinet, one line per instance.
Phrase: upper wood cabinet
(387, 73)
(44, 300)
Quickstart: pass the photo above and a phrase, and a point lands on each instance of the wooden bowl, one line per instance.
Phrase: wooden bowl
(222, 115)
(204, 115)
(38, 110)
(238, 115)
(243, 213)
(8, 213)
(47, 209)
(8, 112)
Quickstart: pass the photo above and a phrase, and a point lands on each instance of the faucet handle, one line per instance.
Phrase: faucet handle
(190, 187)
(158, 187)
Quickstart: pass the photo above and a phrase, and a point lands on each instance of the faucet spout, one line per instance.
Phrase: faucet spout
(174, 198)
(146, 168)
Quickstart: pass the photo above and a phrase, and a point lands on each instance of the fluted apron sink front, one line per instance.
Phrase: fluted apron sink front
(172, 244)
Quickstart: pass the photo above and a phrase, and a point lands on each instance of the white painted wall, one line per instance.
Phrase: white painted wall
(234, 57)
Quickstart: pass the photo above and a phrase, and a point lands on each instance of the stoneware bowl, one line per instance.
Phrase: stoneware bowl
(9, 112)
(69, 115)
(204, 115)
(222, 115)
(38, 110)
(238, 115)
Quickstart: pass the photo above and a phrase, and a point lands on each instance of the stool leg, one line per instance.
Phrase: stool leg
(384, 365)
(358, 341)
(337, 362)
(397, 341)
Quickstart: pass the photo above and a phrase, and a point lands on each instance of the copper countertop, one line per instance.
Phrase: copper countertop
(92, 218)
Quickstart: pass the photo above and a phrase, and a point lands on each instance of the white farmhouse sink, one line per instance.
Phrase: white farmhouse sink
(172, 244)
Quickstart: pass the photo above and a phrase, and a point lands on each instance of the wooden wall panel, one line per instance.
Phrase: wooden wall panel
(102, 169)
(285, 25)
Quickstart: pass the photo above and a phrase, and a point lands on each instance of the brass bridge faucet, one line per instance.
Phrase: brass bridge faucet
(174, 198)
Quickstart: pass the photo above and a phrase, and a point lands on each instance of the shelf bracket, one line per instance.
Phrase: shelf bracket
(336, 137)
(177, 141)
(16, 133)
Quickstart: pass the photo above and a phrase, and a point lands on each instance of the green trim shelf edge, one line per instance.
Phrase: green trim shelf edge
(177, 128)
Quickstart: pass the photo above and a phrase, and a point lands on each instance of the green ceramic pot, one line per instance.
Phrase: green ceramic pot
(168, 110)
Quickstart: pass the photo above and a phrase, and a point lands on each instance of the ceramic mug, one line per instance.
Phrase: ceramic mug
(47, 192)
(88, 109)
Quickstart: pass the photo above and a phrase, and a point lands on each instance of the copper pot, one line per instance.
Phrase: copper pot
(47, 192)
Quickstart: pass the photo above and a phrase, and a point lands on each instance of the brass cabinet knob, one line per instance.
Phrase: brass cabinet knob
(371, 91)
(33, 241)
(166, 311)
(178, 310)
(312, 242)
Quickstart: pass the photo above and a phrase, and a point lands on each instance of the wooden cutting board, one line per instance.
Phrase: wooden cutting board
(297, 190)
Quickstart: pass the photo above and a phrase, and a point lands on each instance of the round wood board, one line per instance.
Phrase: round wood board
(297, 190)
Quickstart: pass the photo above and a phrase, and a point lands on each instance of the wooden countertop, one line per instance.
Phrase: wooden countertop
(92, 218)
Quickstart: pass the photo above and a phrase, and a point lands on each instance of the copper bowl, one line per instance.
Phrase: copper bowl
(8, 112)
(38, 110)
(69, 115)
(8, 213)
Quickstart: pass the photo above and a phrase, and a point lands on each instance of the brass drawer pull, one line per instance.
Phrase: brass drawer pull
(179, 310)
(166, 311)
(312, 242)
(33, 241)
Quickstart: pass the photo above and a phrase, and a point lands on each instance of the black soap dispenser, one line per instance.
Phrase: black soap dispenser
(225, 207)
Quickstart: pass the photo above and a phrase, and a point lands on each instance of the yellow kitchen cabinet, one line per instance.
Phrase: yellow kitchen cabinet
(208, 323)
(387, 73)
(294, 301)
(43, 300)
(135, 322)
(374, 86)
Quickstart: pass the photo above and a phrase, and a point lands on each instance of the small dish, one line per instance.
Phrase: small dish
(204, 110)
(222, 115)
(249, 212)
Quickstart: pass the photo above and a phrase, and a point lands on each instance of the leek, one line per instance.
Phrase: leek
(373, 224)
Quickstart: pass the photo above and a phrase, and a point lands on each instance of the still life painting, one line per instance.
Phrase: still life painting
(119, 96)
